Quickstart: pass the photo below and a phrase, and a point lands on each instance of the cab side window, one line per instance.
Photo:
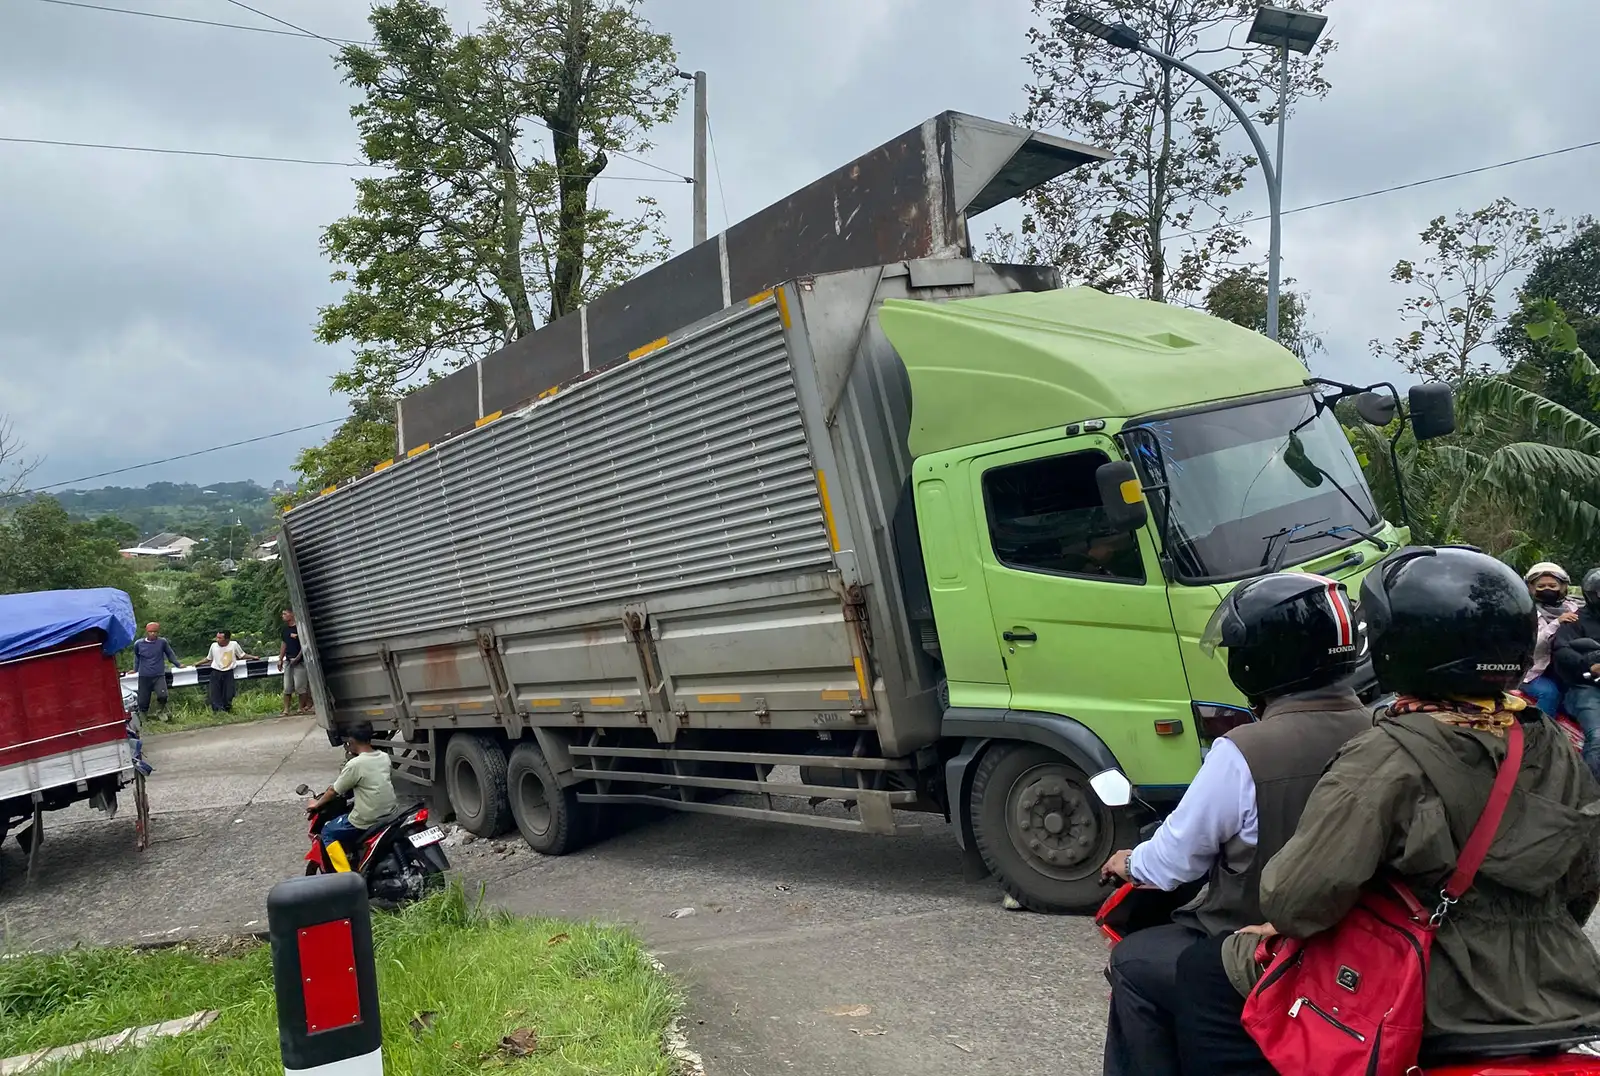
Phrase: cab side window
(1045, 516)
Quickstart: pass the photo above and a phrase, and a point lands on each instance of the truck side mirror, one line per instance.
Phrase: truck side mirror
(1433, 411)
(1376, 409)
(1122, 496)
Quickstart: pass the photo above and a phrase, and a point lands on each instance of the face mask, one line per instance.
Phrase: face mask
(1549, 597)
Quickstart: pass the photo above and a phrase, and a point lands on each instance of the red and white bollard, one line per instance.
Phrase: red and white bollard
(324, 976)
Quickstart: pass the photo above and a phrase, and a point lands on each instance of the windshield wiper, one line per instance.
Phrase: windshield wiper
(1273, 539)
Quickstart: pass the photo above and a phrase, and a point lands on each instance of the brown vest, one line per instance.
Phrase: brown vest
(1287, 752)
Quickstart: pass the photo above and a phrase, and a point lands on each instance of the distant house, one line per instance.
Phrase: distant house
(166, 544)
(267, 550)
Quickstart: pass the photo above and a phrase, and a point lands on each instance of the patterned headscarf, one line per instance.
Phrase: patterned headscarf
(1493, 716)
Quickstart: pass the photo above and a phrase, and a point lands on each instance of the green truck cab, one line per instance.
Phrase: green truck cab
(1061, 601)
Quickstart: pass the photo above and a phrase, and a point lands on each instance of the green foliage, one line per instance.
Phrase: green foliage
(178, 507)
(43, 548)
(486, 225)
(591, 993)
(1118, 226)
(1520, 477)
(1454, 305)
(188, 708)
(1564, 278)
(203, 602)
(1240, 296)
(366, 439)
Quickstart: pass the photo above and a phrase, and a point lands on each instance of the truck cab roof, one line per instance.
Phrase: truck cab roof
(987, 367)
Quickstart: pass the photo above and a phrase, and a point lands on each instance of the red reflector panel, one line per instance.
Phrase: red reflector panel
(328, 976)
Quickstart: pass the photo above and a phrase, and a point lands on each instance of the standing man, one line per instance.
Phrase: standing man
(291, 659)
(150, 657)
(224, 654)
(1293, 641)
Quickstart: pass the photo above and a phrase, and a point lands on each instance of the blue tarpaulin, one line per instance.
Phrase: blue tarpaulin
(30, 622)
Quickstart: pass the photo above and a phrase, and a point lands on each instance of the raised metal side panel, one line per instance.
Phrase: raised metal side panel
(859, 413)
(315, 662)
(686, 467)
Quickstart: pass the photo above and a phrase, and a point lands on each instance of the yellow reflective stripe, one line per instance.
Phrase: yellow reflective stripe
(380, 466)
(861, 679)
(827, 511)
(418, 450)
(641, 352)
(486, 419)
(719, 698)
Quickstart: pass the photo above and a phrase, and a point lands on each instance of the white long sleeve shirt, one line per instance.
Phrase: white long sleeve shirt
(1219, 805)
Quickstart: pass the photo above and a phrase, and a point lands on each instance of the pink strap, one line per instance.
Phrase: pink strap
(1483, 833)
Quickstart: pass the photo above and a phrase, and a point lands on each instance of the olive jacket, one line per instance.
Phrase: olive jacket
(1404, 796)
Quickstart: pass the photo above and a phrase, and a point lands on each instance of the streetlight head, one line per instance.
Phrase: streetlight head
(1287, 28)
(1118, 36)
(688, 75)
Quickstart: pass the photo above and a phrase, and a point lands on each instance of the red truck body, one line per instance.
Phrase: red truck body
(62, 726)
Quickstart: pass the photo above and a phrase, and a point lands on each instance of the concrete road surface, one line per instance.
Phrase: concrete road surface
(807, 952)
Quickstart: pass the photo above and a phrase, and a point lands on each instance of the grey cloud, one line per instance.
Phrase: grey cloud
(153, 305)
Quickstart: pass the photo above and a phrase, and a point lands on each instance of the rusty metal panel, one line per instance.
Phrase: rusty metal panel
(540, 361)
(435, 411)
(668, 297)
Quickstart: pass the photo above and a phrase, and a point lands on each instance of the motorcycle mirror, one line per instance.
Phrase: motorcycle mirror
(1376, 409)
(302, 790)
(1113, 788)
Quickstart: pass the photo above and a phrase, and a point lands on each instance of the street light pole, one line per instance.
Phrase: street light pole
(1286, 28)
(700, 125)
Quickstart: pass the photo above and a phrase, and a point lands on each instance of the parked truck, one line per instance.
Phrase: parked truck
(897, 531)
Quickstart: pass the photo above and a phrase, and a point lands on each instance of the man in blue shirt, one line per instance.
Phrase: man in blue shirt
(1293, 641)
(150, 657)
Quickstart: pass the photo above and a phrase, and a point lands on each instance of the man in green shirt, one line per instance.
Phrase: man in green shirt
(367, 777)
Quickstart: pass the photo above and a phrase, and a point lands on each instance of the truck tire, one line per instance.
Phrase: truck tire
(475, 779)
(549, 817)
(1042, 831)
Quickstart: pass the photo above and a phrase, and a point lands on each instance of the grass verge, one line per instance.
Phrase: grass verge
(187, 708)
(453, 981)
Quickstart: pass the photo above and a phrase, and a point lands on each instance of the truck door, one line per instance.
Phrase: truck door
(1082, 614)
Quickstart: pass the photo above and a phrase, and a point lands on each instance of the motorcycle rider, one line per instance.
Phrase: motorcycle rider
(1576, 657)
(367, 775)
(1548, 583)
(1292, 641)
(1451, 630)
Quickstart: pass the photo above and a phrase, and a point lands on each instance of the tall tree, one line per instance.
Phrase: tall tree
(1567, 275)
(486, 224)
(42, 548)
(1457, 287)
(1240, 296)
(1155, 221)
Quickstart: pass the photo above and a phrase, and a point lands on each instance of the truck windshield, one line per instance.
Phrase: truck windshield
(1242, 479)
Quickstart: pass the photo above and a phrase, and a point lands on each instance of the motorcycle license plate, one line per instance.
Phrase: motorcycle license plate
(431, 835)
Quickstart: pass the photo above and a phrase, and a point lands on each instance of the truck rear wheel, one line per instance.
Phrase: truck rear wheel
(549, 817)
(1041, 829)
(475, 778)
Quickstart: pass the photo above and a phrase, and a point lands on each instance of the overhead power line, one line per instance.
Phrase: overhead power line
(295, 30)
(259, 156)
(717, 167)
(182, 456)
(1403, 186)
(196, 22)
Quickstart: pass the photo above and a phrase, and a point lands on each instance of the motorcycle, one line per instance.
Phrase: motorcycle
(1134, 907)
(401, 857)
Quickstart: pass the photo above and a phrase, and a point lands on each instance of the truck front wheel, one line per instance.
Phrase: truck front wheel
(475, 778)
(1041, 829)
(549, 817)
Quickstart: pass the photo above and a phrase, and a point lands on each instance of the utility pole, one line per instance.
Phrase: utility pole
(700, 122)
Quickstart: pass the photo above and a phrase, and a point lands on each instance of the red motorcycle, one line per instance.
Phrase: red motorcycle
(400, 857)
(1134, 907)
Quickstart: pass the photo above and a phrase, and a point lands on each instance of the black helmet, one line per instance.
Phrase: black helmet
(1451, 621)
(1591, 586)
(1285, 632)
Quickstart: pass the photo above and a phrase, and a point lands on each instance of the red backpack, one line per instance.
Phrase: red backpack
(1351, 999)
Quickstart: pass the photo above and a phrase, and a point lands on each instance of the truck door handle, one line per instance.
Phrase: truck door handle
(1019, 637)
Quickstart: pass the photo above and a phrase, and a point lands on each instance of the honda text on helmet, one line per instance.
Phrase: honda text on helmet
(1448, 622)
(1286, 632)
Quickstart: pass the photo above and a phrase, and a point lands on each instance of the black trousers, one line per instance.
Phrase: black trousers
(1210, 1039)
(1141, 1037)
(149, 685)
(220, 689)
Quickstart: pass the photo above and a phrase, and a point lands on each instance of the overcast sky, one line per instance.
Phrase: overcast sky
(154, 305)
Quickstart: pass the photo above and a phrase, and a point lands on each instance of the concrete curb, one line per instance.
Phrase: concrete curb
(675, 1040)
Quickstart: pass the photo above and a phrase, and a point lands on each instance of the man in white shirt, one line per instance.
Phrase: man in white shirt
(222, 659)
(1293, 641)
